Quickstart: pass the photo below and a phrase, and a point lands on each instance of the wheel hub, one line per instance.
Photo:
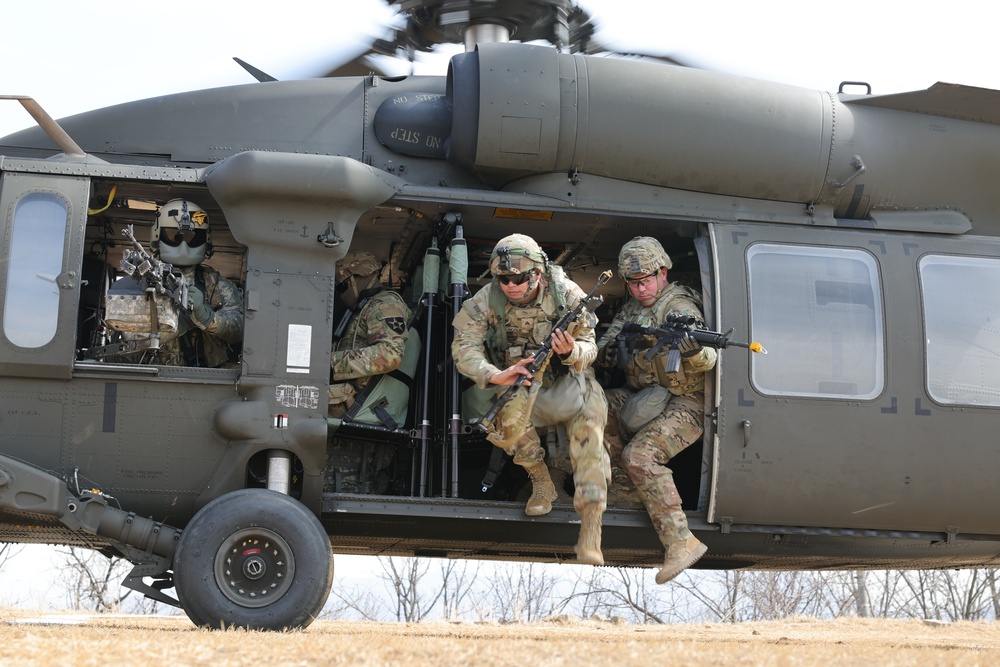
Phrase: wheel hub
(254, 567)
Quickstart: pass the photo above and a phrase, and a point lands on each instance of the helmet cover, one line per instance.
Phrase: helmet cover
(516, 253)
(357, 263)
(642, 256)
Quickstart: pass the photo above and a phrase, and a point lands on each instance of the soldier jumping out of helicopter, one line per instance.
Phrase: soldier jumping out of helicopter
(657, 413)
(371, 339)
(210, 333)
(496, 332)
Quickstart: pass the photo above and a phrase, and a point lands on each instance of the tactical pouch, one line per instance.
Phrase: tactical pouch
(643, 407)
(664, 377)
(559, 402)
(341, 398)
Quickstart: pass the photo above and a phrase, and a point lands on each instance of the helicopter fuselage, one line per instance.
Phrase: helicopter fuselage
(854, 236)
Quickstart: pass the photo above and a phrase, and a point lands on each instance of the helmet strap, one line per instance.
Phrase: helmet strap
(352, 294)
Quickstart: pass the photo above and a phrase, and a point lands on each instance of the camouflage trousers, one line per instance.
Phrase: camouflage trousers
(646, 455)
(585, 431)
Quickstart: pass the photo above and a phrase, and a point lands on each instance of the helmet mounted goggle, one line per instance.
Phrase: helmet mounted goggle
(514, 260)
(503, 260)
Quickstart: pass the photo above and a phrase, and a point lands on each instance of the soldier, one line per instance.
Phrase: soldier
(658, 414)
(371, 336)
(210, 334)
(495, 334)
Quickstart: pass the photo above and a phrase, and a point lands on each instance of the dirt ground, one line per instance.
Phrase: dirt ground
(48, 639)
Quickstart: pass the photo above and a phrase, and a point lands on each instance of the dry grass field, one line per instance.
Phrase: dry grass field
(41, 639)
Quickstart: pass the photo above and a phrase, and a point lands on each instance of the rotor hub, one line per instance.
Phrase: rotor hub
(432, 22)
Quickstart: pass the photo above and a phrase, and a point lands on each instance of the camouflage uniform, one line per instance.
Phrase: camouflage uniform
(211, 344)
(375, 338)
(525, 327)
(374, 341)
(654, 443)
(210, 334)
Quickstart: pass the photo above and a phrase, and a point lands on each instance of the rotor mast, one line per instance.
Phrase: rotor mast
(431, 22)
(481, 33)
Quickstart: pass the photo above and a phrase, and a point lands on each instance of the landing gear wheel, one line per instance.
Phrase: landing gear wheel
(253, 559)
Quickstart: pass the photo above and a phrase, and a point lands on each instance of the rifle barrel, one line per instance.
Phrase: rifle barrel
(672, 331)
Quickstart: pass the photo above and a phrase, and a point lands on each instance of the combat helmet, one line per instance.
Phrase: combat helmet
(357, 263)
(516, 253)
(181, 234)
(642, 256)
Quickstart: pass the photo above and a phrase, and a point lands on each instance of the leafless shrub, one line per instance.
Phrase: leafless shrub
(628, 593)
(92, 582)
(519, 593)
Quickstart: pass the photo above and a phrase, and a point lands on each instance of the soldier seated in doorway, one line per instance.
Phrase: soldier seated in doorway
(206, 330)
(656, 415)
(370, 336)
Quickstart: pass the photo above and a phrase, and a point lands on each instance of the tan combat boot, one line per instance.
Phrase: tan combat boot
(588, 547)
(542, 491)
(681, 555)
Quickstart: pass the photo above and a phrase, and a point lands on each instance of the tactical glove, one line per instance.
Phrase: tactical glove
(201, 313)
(688, 346)
(607, 356)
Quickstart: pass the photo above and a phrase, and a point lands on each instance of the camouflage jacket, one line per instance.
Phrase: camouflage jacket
(527, 326)
(218, 343)
(639, 372)
(374, 340)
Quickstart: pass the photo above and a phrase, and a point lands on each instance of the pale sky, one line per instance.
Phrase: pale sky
(78, 55)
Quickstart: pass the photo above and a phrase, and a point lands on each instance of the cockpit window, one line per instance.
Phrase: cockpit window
(961, 298)
(818, 312)
(31, 305)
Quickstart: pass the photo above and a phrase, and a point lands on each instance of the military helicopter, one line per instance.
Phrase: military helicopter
(853, 234)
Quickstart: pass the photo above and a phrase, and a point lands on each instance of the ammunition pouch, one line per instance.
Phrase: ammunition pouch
(665, 377)
(514, 354)
(128, 308)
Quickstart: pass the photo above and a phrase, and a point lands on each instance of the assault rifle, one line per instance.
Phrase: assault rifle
(541, 358)
(157, 274)
(673, 329)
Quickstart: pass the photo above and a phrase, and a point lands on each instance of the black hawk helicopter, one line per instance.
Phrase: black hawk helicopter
(853, 234)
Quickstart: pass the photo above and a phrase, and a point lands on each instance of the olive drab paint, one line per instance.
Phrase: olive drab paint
(853, 236)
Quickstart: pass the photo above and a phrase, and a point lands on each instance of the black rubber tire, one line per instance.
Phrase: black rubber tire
(253, 559)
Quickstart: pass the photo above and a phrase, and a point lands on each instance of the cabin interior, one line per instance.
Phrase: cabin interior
(410, 460)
